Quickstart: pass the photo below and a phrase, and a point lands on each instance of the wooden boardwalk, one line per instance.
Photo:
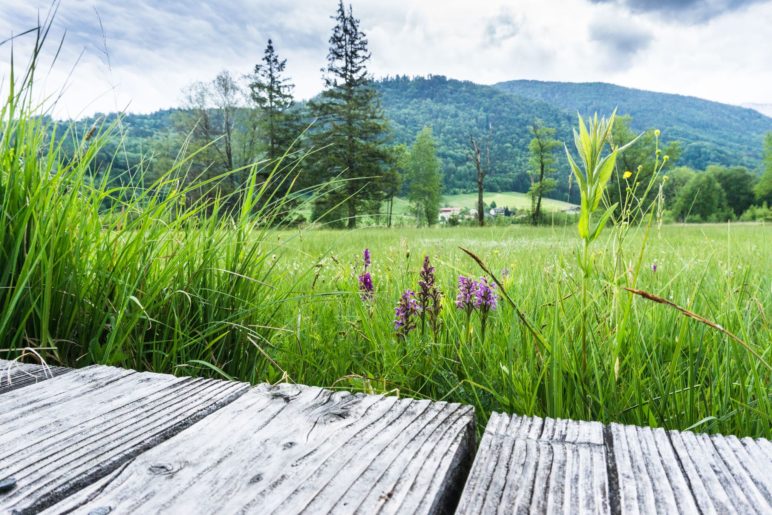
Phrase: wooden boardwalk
(535, 465)
(104, 440)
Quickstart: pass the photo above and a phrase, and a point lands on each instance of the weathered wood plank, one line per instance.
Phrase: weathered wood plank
(296, 449)
(62, 434)
(650, 478)
(15, 375)
(533, 465)
(529, 464)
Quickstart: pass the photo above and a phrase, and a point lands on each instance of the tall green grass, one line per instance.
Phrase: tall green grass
(142, 277)
(657, 368)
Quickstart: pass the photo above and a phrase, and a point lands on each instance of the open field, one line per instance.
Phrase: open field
(672, 371)
(510, 199)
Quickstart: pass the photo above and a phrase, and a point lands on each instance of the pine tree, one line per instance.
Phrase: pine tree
(351, 129)
(425, 181)
(542, 148)
(271, 92)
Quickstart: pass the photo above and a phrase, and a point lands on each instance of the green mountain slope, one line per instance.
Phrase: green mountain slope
(458, 110)
(710, 132)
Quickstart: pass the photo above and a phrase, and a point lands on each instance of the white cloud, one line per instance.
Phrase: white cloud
(156, 47)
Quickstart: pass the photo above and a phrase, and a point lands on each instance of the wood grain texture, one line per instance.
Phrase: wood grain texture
(296, 449)
(14, 375)
(534, 465)
(62, 434)
(529, 464)
(726, 475)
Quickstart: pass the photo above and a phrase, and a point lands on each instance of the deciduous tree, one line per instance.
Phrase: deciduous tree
(737, 183)
(763, 189)
(542, 162)
(425, 189)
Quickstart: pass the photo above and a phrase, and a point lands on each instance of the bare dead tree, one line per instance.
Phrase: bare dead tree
(477, 158)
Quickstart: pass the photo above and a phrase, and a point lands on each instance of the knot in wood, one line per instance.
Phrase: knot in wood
(163, 469)
(102, 510)
(7, 484)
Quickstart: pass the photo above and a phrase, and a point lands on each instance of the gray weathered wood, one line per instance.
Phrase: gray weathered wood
(720, 482)
(64, 433)
(297, 449)
(15, 375)
(533, 465)
(529, 464)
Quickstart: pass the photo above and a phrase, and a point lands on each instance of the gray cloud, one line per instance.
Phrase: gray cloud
(683, 11)
(620, 42)
(157, 47)
(502, 27)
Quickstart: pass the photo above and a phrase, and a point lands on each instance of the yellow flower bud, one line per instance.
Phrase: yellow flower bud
(627, 174)
(656, 132)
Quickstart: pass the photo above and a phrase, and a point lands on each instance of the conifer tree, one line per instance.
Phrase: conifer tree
(350, 130)
(272, 94)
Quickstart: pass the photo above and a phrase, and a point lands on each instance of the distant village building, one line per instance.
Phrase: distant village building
(447, 212)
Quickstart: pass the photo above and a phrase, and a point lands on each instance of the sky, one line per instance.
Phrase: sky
(138, 55)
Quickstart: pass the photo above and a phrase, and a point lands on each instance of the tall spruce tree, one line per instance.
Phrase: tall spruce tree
(271, 92)
(351, 129)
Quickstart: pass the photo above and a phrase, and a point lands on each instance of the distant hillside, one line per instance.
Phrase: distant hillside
(765, 109)
(710, 132)
(456, 111)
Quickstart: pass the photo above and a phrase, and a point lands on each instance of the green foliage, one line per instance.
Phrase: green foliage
(674, 181)
(762, 213)
(456, 110)
(702, 200)
(145, 278)
(641, 163)
(425, 182)
(763, 189)
(271, 93)
(737, 183)
(708, 132)
(542, 149)
(594, 174)
(350, 131)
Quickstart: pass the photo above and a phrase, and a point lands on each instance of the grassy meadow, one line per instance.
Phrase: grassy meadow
(671, 370)
(510, 199)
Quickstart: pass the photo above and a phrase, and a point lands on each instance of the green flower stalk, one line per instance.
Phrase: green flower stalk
(592, 177)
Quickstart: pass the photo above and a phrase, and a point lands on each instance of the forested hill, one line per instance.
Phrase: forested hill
(710, 132)
(459, 110)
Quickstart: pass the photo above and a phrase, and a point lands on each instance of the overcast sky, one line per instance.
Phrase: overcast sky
(138, 55)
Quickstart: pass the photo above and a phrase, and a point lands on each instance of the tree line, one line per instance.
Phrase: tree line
(337, 145)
